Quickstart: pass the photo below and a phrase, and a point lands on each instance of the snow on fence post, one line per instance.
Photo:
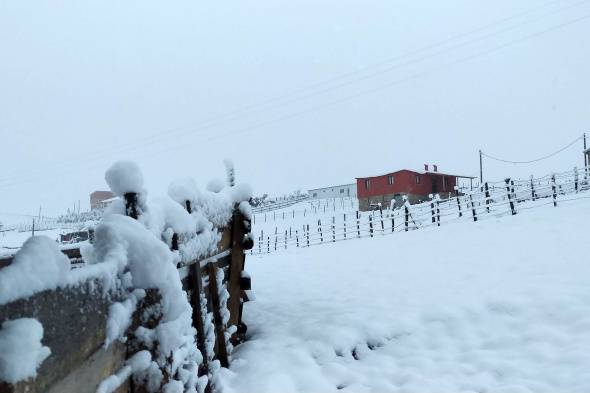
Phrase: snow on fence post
(333, 228)
(487, 189)
(371, 224)
(407, 218)
(458, 201)
(381, 218)
(358, 224)
(510, 196)
(554, 190)
(221, 351)
(432, 208)
(533, 196)
(437, 202)
(472, 206)
(320, 231)
(199, 314)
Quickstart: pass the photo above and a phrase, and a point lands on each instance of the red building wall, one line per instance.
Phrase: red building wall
(404, 182)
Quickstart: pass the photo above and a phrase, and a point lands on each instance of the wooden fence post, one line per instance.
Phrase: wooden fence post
(432, 208)
(268, 244)
(533, 196)
(333, 228)
(458, 201)
(239, 231)
(437, 201)
(576, 179)
(371, 224)
(307, 235)
(392, 221)
(131, 208)
(285, 239)
(320, 230)
(196, 288)
(221, 352)
(487, 188)
(407, 211)
(554, 189)
(358, 224)
(472, 206)
(297, 237)
(381, 218)
(510, 199)
(345, 225)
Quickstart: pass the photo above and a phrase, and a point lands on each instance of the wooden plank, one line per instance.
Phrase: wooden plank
(220, 349)
(235, 270)
(74, 323)
(196, 287)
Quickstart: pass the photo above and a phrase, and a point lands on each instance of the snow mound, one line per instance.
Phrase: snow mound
(124, 177)
(182, 190)
(39, 265)
(21, 351)
(215, 185)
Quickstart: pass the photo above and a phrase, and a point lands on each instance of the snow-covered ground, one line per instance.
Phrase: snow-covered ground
(500, 305)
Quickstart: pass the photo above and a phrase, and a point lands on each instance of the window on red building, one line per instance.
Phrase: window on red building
(417, 179)
(367, 184)
(390, 180)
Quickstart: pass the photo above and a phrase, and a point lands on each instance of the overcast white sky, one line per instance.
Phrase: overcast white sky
(176, 86)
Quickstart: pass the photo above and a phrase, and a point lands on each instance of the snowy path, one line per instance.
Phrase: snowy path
(496, 306)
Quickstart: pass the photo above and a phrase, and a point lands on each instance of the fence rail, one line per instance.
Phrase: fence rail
(489, 200)
(216, 287)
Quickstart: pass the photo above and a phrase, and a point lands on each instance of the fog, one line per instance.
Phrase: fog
(300, 94)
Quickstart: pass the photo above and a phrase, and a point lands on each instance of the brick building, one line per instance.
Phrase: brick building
(98, 199)
(393, 186)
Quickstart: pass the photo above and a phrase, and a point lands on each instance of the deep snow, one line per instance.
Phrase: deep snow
(500, 305)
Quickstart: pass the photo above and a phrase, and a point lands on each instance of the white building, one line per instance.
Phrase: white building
(344, 190)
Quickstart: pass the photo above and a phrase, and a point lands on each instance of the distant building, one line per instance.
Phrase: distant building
(417, 186)
(344, 190)
(100, 199)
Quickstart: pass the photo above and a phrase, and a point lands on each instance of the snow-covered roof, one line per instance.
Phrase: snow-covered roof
(336, 186)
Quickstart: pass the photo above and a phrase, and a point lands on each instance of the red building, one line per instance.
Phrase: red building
(97, 198)
(417, 186)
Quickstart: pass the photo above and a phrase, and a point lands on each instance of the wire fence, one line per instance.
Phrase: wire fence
(489, 200)
(313, 207)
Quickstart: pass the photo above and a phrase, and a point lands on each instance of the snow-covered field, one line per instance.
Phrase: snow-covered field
(496, 306)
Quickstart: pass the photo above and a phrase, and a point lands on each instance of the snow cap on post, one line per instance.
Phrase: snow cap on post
(126, 180)
(216, 185)
(185, 192)
(124, 177)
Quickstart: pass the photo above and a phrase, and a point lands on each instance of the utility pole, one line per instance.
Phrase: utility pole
(585, 154)
(480, 168)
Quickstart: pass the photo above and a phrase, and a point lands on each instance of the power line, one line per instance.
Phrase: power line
(359, 94)
(536, 159)
(292, 97)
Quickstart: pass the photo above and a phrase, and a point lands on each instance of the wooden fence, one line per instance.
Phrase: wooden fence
(75, 318)
(487, 201)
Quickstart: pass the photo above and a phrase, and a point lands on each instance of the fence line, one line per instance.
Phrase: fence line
(489, 200)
